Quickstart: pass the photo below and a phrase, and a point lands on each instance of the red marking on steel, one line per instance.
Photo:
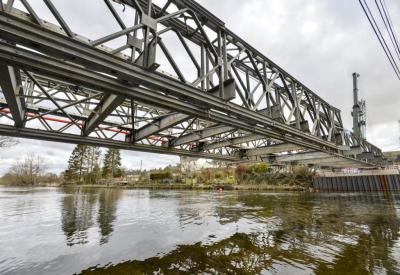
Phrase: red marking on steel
(67, 121)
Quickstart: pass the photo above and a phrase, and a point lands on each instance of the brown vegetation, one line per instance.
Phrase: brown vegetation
(262, 174)
(28, 172)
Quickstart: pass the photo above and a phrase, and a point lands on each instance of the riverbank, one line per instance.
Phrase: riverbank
(241, 187)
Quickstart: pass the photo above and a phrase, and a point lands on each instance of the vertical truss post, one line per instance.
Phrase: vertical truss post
(248, 94)
(209, 77)
(130, 137)
(134, 35)
(296, 105)
(219, 62)
(146, 46)
(268, 91)
(225, 55)
(202, 70)
(149, 47)
(9, 5)
(10, 82)
(331, 124)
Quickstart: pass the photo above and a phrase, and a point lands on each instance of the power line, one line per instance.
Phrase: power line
(386, 11)
(377, 30)
(387, 26)
(380, 37)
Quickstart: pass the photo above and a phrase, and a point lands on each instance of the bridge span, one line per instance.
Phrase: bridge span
(171, 79)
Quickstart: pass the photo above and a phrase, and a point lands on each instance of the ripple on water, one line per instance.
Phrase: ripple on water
(111, 231)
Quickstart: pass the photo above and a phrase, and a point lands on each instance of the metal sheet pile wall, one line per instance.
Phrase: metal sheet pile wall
(373, 183)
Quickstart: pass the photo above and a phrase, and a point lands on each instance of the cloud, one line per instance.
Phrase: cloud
(321, 43)
(55, 156)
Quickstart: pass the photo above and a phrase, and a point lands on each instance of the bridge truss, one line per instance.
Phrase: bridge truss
(169, 78)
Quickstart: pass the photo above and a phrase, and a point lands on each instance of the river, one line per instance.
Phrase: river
(117, 231)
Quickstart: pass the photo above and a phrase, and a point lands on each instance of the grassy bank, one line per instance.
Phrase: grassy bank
(242, 177)
(228, 187)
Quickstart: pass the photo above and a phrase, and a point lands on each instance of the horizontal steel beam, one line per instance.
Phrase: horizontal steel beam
(202, 134)
(108, 104)
(273, 149)
(302, 157)
(327, 161)
(159, 125)
(233, 141)
(353, 151)
(321, 158)
(75, 139)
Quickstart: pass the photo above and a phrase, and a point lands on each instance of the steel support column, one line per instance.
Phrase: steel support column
(10, 83)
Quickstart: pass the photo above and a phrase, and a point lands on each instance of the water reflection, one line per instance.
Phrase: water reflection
(77, 215)
(110, 231)
(107, 212)
(80, 207)
(317, 234)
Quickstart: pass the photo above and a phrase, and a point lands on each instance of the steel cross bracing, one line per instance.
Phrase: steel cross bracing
(171, 78)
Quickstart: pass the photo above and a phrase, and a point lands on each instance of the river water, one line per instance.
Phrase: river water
(111, 231)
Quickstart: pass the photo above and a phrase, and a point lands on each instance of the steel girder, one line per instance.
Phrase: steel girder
(10, 83)
(202, 134)
(102, 111)
(272, 149)
(234, 141)
(160, 124)
(75, 139)
(233, 98)
(321, 159)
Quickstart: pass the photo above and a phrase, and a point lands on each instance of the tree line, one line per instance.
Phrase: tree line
(86, 165)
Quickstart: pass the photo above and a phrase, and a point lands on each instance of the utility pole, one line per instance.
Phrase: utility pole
(359, 111)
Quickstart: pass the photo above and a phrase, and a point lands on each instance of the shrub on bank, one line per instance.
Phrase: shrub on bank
(161, 176)
(262, 174)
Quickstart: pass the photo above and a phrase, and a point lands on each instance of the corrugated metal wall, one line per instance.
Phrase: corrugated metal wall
(376, 183)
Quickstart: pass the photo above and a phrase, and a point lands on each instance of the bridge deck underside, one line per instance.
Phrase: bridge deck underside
(171, 79)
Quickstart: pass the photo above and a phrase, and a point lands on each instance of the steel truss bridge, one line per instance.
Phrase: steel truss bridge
(170, 78)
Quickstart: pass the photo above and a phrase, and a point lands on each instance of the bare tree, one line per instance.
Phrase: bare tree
(7, 141)
(28, 171)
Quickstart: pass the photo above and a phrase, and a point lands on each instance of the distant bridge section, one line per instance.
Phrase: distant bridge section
(170, 79)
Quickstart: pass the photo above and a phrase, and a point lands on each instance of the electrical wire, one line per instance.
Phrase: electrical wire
(380, 37)
(387, 14)
(385, 20)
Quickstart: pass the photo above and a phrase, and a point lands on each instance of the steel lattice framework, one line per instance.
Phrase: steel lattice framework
(171, 79)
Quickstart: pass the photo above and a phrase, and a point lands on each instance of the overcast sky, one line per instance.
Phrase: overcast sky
(320, 42)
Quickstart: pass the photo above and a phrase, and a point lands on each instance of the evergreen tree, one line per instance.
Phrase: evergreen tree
(82, 163)
(75, 164)
(93, 158)
(112, 164)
